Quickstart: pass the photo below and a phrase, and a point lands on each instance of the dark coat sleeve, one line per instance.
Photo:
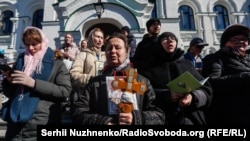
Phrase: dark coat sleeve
(151, 113)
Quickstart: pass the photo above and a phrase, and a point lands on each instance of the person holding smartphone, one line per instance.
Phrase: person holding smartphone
(36, 88)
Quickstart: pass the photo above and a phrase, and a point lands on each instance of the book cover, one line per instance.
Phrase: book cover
(185, 83)
(98, 67)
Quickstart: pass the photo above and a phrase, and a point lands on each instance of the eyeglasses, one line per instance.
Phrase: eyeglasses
(168, 38)
(237, 40)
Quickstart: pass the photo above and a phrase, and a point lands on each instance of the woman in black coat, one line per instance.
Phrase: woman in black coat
(229, 71)
(167, 64)
(100, 103)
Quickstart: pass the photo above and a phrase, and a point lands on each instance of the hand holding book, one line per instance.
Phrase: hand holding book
(185, 83)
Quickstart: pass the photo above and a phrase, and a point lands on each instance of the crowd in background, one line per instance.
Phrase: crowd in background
(115, 81)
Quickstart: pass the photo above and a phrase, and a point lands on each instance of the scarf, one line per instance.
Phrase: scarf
(24, 103)
(34, 62)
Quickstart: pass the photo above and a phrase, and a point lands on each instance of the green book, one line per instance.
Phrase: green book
(185, 83)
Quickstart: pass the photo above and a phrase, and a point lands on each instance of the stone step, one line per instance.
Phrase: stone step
(2, 129)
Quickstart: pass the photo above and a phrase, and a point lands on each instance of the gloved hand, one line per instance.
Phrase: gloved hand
(19, 77)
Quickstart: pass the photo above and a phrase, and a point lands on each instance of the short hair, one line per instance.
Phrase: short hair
(120, 36)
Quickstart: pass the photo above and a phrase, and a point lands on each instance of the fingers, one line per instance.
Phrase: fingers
(175, 96)
(185, 101)
(125, 118)
(18, 77)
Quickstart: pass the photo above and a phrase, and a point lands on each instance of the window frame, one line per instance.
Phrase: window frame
(38, 18)
(187, 22)
(222, 17)
(6, 23)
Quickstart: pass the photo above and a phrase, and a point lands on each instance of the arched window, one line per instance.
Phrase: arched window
(7, 24)
(222, 19)
(154, 13)
(38, 18)
(186, 18)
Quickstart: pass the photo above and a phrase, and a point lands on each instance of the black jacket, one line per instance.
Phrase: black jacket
(92, 105)
(164, 68)
(229, 77)
(145, 49)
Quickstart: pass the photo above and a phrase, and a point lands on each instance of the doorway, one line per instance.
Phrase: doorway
(107, 28)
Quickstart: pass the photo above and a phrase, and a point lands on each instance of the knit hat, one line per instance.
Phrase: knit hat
(126, 28)
(167, 34)
(152, 21)
(233, 30)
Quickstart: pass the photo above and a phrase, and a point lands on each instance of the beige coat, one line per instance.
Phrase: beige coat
(83, 68)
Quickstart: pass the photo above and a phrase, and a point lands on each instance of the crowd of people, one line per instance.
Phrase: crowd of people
(116, 82)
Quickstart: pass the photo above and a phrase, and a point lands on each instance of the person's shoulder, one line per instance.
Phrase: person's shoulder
(86, 50)
(131, 35)
(58, 62)
(214, 57)
(210, 56)
(187, 55)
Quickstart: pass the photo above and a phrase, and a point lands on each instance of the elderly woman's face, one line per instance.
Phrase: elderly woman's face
(116, 52)
(239, 41)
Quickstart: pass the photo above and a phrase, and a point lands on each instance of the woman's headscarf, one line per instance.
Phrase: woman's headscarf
(91, 43)
(34, 62)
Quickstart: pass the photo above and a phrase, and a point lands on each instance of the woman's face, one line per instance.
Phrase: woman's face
(98, 39)
(169, 44)
(84, 44)
(68, 39)
(116, 52)
(32, 46)
(239, 42)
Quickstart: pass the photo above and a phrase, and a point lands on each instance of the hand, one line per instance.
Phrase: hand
(186, 100)
(125, 118)
(176, 96)
(111, 123)
(19, 77)
(7, 74)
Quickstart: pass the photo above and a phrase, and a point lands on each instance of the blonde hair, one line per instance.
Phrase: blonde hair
(91, 37)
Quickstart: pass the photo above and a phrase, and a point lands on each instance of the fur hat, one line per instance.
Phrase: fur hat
(233, 30)
(152, 21)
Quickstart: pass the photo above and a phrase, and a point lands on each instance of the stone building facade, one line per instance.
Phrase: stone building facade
(79, 17)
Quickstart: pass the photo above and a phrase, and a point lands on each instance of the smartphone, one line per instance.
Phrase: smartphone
(5, 68)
